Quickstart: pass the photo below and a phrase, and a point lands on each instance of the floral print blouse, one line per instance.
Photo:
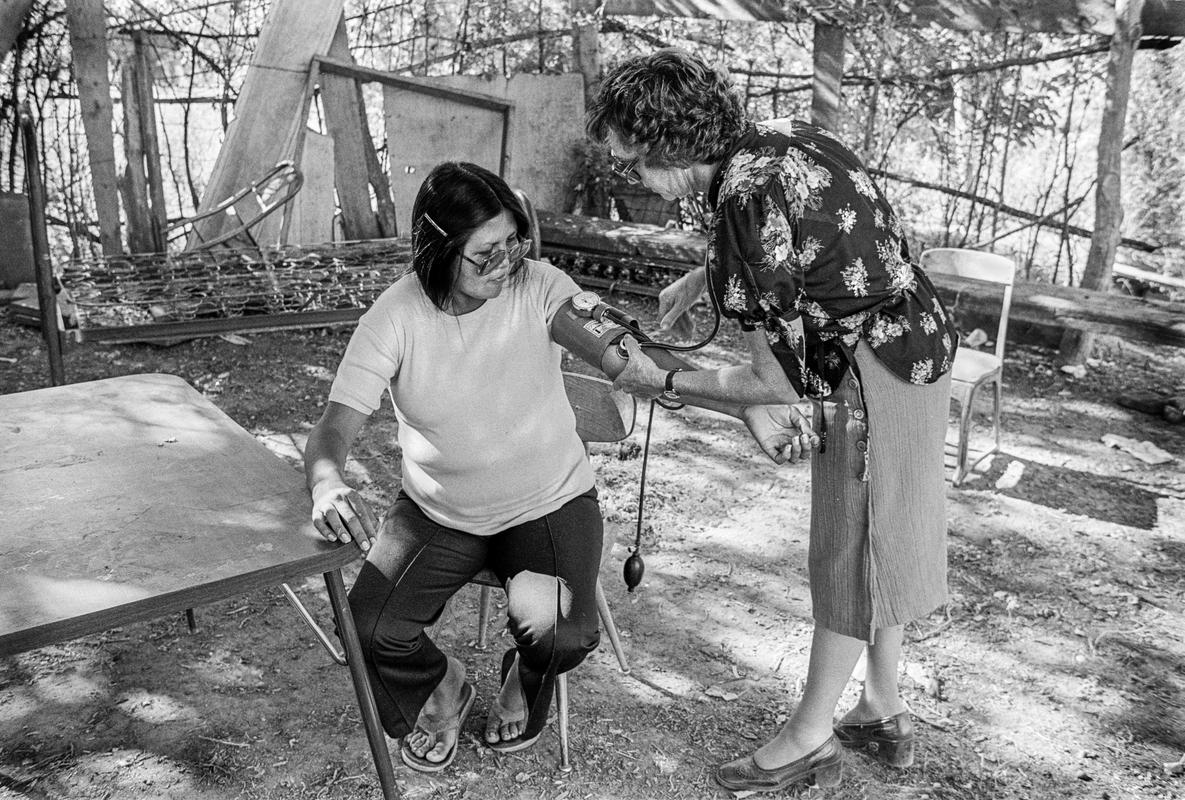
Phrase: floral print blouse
(800, 231)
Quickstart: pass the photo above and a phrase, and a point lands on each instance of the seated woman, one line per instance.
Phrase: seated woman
(494, 473)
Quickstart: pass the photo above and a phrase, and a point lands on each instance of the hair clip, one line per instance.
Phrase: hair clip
(432, 222)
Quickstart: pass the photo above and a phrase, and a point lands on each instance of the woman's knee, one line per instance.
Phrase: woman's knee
(548, 619)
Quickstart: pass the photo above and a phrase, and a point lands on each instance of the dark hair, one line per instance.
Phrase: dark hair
(454, 200)
(672, 103)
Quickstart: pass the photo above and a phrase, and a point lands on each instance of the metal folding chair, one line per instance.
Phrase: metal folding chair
(974, 369)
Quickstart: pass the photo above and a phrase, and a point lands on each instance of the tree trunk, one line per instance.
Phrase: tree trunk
(12, 18)
(88, 41)
(1076, 347)
(132, 184)
(586, 54)
(827, 90)
(146, 105)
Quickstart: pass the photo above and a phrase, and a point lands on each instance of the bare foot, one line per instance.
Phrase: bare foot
(508, 713)
(443, 706)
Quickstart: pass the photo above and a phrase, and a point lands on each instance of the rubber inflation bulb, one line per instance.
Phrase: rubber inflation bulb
(633, 571)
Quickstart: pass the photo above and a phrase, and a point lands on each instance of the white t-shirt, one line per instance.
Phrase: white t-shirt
(487, 435)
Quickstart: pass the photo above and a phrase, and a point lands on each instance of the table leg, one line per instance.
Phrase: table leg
(370, 714)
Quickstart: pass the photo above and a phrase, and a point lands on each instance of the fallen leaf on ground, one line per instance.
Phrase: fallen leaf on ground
(1176, 767)
(1145, 451)
(1011, 475)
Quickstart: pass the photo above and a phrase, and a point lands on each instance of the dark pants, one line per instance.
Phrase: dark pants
(417, 565)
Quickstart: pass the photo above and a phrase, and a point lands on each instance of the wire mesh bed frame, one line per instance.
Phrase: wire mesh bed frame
(171, 296)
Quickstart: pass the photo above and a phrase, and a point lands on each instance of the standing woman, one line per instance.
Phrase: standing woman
(494, 473)
(807, 255)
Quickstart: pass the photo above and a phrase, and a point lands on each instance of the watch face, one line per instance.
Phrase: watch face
(585, 301)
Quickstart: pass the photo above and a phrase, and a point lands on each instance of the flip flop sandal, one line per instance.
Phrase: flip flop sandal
(423, 764)
(517, 743)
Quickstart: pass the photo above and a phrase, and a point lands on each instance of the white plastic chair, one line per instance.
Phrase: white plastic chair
(974, 369)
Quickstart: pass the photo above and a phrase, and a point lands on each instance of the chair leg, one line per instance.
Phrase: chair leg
(611, 629)
(561, 707)
(483, 619)
(999, 387)
(964, 438)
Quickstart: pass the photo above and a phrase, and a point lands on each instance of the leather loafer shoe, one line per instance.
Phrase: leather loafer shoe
(889, 740)
(820, 767)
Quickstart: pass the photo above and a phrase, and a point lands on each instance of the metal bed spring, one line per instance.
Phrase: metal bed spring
(216, 291)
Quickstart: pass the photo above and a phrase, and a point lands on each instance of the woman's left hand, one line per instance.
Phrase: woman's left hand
(785, 433)
(641, 376)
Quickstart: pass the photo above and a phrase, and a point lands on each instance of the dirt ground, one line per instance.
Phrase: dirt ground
(1057, 670)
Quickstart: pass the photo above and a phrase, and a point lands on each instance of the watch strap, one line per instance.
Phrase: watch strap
(668, 391)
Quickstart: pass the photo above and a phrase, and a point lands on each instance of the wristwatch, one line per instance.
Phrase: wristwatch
(585, 302)
(668, 392)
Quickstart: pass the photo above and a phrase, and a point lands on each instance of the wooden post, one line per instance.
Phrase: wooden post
(132, 184)
(47, 301)
(586, 51)
(88, 42)
(1076, 346)
(146, 104)
(345, 122)
(827, 91)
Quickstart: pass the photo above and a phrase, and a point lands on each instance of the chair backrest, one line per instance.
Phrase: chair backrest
(602, 414)
(532, 218)
(977, 265)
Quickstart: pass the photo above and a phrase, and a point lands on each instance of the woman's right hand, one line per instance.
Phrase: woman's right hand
(676, 300)
(341, 515)
(784, 433)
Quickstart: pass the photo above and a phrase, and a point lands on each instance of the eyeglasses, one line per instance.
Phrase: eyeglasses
(515, 253)
(628, 170)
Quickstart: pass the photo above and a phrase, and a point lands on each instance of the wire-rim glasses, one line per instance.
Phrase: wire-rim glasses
(515, 253)
(627, 170)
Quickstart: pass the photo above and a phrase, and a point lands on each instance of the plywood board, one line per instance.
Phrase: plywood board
(423, 131)
(546, 125)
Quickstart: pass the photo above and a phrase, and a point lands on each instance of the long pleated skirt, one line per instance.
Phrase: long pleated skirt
(878, 497)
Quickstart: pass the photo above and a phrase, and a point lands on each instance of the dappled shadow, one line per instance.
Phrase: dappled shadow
(1102, 497)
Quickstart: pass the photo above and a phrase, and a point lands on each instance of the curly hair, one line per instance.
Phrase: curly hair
(454, 200)
(681, 109)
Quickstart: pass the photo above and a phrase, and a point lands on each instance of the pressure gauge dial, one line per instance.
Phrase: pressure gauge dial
(585, 302)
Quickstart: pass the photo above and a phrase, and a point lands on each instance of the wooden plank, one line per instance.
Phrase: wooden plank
(344, 121)
(16, 243)
(1161, 18)
(88, 45)
(418, 85)
(313, 209)
(268, 121)
(1131, 318)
